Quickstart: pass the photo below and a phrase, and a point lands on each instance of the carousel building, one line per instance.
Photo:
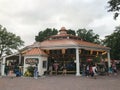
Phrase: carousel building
(62, 48)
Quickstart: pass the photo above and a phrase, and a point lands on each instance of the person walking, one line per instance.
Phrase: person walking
(94, 69)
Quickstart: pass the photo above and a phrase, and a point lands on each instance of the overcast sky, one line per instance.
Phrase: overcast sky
(26, 18)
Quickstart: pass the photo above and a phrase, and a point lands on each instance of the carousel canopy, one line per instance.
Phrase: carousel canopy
(64, 40)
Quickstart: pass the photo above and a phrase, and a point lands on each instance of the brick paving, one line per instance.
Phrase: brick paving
(68, 82)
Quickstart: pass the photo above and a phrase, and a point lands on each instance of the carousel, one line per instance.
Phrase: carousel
(63, 48)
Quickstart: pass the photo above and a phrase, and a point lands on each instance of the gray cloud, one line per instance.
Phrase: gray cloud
(27, 17)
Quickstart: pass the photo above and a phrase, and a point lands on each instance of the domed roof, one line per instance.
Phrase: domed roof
(64, 40)
(63, 34)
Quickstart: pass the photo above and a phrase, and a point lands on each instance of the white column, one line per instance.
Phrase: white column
(77, 63)
(20, 58)
(3, 67)
(109, 62)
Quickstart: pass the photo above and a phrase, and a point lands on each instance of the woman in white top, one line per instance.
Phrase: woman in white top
(94, 69)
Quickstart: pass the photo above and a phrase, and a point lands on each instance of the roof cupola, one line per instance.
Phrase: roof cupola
(63, 30)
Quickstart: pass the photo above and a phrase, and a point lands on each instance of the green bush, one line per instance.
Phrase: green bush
(29, 72)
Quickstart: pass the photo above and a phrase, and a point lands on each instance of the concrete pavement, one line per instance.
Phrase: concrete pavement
(60, 82)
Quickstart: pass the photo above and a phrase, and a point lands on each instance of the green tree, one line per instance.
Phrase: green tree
(70, 31)
(114, 6)
(113, 41)
(8, 41)
(88, 35)
(42, 35)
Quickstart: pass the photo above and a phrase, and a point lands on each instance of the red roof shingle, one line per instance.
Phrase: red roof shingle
(35, 51)
(70, 42)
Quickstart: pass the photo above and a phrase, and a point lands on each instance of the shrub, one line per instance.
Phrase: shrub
(29, 72)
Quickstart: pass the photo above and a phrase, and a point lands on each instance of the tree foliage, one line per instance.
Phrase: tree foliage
(70, 31)
(88, 35)
(113, 41)
(42, 35)
(8, 41)
(114, 6)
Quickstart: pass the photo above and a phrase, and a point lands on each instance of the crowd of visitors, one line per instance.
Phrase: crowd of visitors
(98, 69)
(86, 69)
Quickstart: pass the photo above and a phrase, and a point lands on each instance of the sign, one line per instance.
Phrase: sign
(32, 61)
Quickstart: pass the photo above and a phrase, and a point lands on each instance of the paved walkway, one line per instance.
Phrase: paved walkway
(68, 82)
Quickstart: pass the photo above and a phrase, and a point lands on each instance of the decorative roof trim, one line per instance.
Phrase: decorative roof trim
(73, 46)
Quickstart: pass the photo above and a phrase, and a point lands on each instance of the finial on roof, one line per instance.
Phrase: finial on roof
(63, 30)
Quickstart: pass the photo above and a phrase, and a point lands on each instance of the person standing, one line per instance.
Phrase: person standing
(55, 65)
(64, 70)
(50, 69)
(114, 68)
(36, 72)
(87, 70)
